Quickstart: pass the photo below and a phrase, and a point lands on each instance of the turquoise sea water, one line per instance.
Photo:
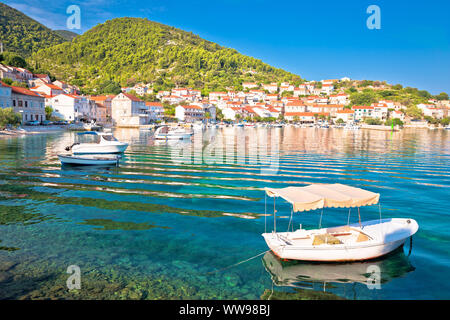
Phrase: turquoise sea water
(154, 228)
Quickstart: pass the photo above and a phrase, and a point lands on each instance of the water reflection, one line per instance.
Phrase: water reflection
(327, 276)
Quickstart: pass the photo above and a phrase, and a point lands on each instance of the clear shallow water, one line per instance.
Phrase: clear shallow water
(158, 229)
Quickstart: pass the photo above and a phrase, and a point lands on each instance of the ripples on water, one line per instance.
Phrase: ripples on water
(154, 228)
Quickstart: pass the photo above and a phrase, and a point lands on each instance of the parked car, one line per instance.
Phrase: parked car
(46, 123)
(61, 122)
(32, 123)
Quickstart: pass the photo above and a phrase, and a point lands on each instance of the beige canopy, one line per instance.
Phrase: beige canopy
(317, 196)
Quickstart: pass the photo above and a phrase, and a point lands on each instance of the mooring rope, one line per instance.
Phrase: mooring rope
(240, 262)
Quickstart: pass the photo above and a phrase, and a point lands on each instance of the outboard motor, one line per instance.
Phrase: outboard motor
(68, 148)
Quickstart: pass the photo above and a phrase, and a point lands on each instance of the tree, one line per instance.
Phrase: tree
(365, 98)
(442, 96)
(48, 112)
(372, 121)
(9, 117)
(14, 60)
(414, 112)
(339, 121)
(396, 121)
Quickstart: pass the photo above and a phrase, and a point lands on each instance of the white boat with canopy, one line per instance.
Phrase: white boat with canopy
(92, 142)
(351, 242)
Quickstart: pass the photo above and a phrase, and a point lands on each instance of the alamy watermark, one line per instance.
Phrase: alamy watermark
(374, 279)
(74, 281)
(74, 20)
(374, 20)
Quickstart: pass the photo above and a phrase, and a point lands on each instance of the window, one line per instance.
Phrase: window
(20, 103)
(14, 103)
(26, 104)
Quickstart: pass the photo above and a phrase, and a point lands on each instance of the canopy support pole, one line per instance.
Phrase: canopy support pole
(290, 221)
(265, 212)
(379, 209)
(359, 219)
(320, 221)
(274, 216)
(348, 219)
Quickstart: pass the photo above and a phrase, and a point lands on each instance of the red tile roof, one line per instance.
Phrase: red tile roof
(24, 91)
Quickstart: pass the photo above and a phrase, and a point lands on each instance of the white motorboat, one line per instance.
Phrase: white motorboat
(351, 242)
(100, 143)
(89, 159)
(351, 126)
(168, 133)
(198, 126)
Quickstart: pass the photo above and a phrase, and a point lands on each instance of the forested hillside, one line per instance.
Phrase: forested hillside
(130, 50)
(22, 35)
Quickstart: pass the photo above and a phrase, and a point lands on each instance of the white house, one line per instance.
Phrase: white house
(190, 113)
(362, 112)
(73, 108)
(128, 110)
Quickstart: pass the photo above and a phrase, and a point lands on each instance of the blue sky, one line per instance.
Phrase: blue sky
(314, 39)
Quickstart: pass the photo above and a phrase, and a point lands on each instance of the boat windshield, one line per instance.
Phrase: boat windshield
(109, 137)
(87, 138)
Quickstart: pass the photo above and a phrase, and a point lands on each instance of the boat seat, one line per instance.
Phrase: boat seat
(362, 237)
(325, 238)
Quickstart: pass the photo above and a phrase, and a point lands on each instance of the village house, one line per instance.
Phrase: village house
(433, 112)
(191, 113)
(380, 111)
(15, 74)
(346, 115)
(48, 89)
(271, 87)
(73, 108)
(362, 112)
(128, 110)
(103, 107)
(302, 117)
(39, 79)
(295, 106)
(215, 96)
(5, 96)
(156, 111)
(29, 104)
(327, 88)
(249, 85)
(398, 114)
(340, 98)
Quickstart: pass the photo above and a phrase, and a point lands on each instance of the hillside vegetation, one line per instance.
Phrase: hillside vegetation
(22, 35)
(131, 50)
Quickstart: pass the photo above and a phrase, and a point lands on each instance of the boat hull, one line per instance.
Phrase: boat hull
(376, 248)
(70, 160)
(88, 148)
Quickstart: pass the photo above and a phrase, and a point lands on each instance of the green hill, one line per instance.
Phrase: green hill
(68, 35)
(131, 50)
(22, 35)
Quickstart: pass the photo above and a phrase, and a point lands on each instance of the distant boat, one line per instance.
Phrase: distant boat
(168, 133)
(198, 126)
(104, 142)
(277, 125)
(352, 242)
(351, 126)
(89, 159)
(239, 125)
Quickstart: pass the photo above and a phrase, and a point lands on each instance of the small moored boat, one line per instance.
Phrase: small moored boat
(351, 242)
(102, 143)
(89, 159)
(168, 133)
